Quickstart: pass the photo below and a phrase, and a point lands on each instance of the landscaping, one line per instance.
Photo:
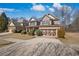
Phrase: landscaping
(18, 36)
(38, 32)
(71, 38)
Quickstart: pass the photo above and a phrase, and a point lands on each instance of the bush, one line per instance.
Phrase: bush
(16, 31)
(6, 30)
(31, 32)
(19, 31)
(23, 32)
(1, 31)
(38, 32)
(61, 33)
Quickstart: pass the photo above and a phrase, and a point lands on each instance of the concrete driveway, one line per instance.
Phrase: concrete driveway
(35, 40)
(2, 41)
(39, 46)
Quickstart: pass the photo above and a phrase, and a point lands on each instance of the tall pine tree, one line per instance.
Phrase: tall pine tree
(3, 22)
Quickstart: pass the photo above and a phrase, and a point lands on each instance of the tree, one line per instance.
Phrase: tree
(74, 26)
(3, 22)
(64, 13)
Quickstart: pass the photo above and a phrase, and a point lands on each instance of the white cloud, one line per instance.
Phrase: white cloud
(38, 7)
(6, 9)
(62, 7)
(52, 9)
(57, 5)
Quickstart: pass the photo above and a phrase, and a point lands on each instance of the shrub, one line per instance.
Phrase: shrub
(23, 32)
(16, 31)
(61, 33)
(19, 31)
(31, 32)
(1, 31)
(38, 32)
(6, 30)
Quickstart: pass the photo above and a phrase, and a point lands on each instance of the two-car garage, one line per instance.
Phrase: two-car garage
(49, 30)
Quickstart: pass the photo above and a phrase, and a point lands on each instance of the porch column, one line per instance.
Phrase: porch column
(26, 29)
(56, 33)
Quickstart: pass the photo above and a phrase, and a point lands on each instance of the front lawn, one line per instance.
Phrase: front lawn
(18, 36)
(71, 38)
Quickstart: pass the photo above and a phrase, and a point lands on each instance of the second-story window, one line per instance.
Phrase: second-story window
(46, 22)
(32, 23)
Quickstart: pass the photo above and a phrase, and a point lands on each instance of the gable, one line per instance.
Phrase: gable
(32, 19)
(45, 18)
(11, 24)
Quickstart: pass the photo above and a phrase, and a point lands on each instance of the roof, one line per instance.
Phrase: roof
(12, 22)
(33, 19)
(52, 17)
(56, 25)
(21, 19)
(32, 26)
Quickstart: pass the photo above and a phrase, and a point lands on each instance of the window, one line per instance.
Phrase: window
(32, 23)
(45, 22)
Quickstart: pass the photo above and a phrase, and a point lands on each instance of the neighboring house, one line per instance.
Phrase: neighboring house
(11, 26)
(21, 24)
(18, 24)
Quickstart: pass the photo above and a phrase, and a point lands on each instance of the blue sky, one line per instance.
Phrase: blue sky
(28, 10)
